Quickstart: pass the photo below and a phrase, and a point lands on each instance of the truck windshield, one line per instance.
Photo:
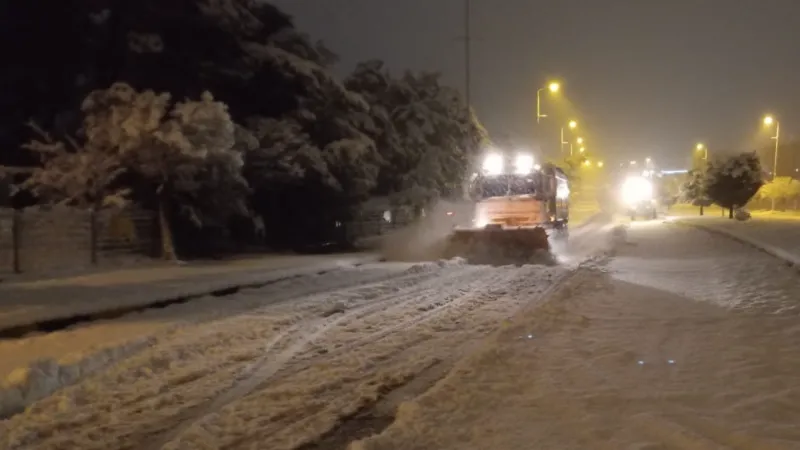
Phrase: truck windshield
(503, 185)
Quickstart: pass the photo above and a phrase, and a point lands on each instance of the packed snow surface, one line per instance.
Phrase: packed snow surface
(677, 338)
(684, 340)
(281, 364)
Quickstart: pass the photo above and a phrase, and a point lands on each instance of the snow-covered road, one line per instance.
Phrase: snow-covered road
(283, 364)
(677, 338)
(683, 340)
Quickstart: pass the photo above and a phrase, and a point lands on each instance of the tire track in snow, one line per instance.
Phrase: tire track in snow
(134, 389)
(299, 337)
(489, 285)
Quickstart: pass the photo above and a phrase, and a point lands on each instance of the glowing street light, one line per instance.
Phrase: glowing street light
(572, 125)
(553, 87)
(768, 122)
(582, 149)
(599, 163)
(579, 140)
(700, 147)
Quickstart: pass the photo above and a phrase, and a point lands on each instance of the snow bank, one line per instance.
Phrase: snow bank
(26, 385)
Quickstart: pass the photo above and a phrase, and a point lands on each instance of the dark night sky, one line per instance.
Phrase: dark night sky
(643, 77)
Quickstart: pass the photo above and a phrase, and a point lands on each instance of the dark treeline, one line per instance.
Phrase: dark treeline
(217, 112)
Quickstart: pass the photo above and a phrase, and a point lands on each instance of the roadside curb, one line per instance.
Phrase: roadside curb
(55, 320)
(788, 258)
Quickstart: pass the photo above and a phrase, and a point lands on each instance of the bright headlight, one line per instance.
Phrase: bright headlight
(493, 164)
(636, 190)
(523, 164)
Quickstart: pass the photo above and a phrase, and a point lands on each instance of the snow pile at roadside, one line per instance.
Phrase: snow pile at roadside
(24, 386)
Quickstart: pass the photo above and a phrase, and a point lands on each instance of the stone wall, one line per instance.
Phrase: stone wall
(39, 240)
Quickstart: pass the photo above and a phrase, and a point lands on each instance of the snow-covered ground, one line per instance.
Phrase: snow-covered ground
(779, 235)
(284, 363)
(678, 338)
(684, 340)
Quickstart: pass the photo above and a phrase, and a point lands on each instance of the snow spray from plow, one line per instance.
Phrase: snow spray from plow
(436, 237)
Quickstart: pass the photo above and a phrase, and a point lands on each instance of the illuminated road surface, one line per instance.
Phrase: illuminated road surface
(674, 338)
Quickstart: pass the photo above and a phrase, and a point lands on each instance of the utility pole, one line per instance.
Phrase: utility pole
(467, 51)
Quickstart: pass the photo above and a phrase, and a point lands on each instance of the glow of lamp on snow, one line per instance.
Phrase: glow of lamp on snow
(636, 190)
(523, 165)
(493, 164)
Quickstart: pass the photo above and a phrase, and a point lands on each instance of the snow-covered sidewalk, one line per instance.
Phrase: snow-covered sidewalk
(776, 235)
(30, 302)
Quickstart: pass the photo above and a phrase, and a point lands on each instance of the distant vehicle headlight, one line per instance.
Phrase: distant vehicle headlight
(636, 190)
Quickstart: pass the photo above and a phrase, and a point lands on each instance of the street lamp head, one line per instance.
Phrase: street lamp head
(647, 159)
(554, 87)
(582, 149)
(580, 140)
(700, 146)
(599, 163)
(769, 120)
(573, 124)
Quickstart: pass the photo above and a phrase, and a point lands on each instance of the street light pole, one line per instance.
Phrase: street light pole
(539, 105)
(572, 124)
(777, 139)
(467, 51)
(553, 87)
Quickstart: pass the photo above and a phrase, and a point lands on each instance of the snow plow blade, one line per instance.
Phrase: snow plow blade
(516, 246)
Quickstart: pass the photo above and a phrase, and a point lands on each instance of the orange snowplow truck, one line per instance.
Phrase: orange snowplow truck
(517, 205)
